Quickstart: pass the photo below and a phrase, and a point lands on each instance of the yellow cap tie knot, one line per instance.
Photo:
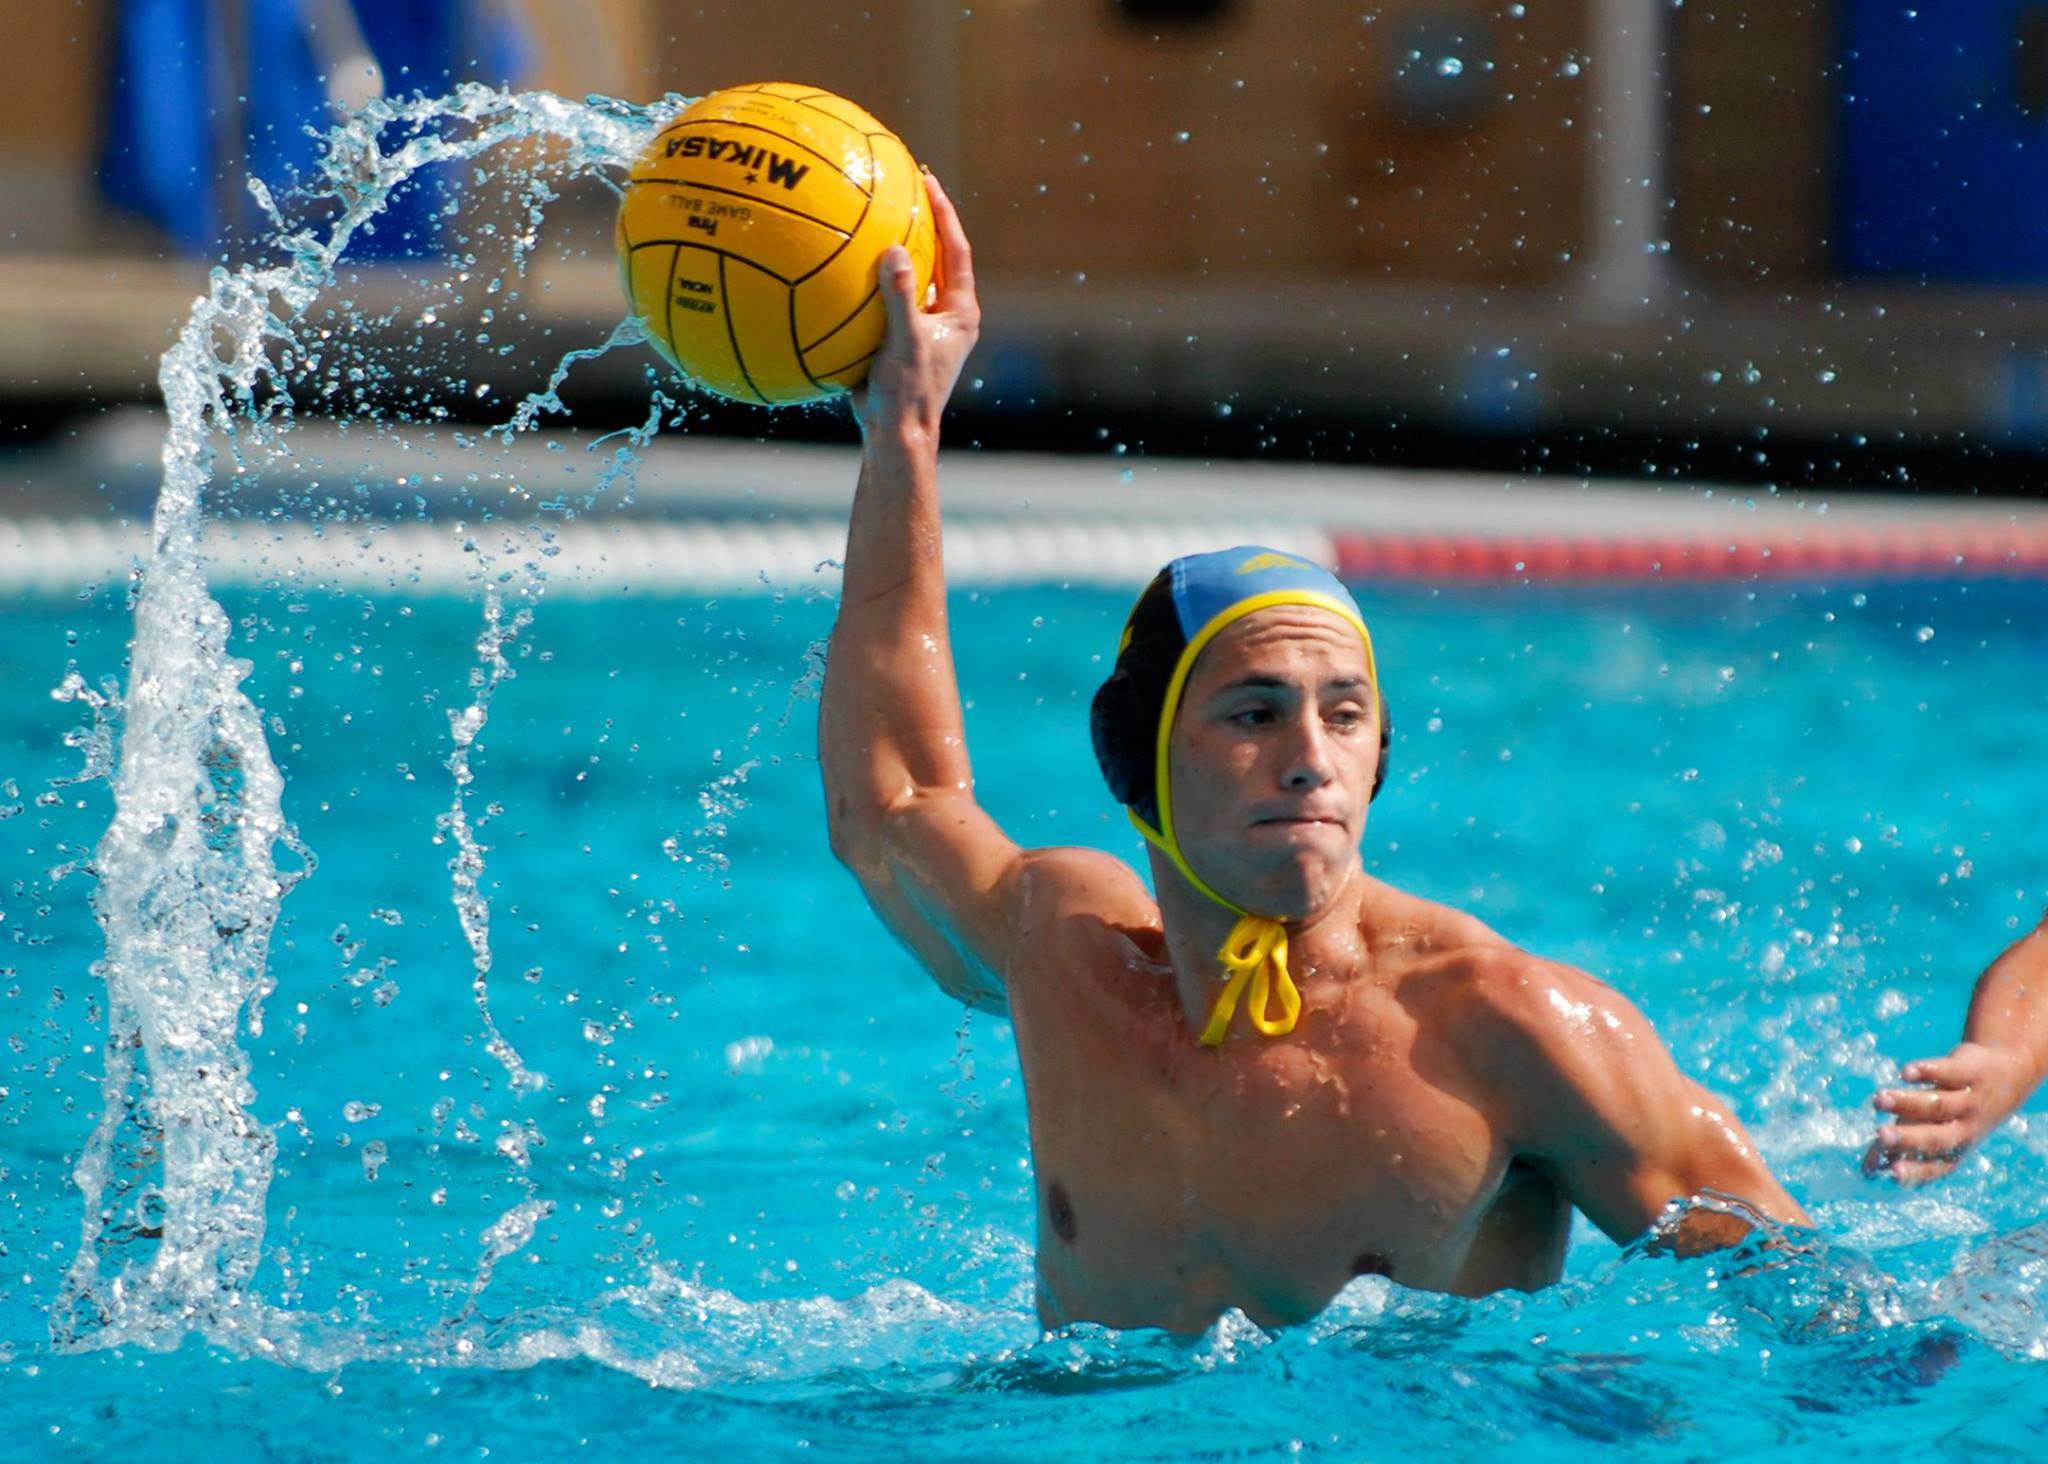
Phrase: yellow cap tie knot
(1255, 954)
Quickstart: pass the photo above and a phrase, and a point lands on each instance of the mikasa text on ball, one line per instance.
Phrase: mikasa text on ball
(750, 234)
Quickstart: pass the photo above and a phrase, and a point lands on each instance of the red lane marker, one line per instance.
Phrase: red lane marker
(1971, 552)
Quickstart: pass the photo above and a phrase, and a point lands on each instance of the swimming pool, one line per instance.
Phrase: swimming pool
(775, 1174)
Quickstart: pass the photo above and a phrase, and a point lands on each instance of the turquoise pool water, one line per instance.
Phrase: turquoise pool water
(778, 1186)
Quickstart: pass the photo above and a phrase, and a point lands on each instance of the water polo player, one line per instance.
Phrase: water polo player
(1277, 1073)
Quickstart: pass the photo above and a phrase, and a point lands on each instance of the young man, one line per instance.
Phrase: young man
(2002, 1058)
(1279, 1073)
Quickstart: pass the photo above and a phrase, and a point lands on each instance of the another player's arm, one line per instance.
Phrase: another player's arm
(2000, 1061)
(898, 790)
(1599, 1104)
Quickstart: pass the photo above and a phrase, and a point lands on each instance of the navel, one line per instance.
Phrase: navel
(1060, 1211)
(1372, 1263)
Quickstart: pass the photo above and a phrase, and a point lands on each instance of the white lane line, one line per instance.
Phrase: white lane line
(621, 557)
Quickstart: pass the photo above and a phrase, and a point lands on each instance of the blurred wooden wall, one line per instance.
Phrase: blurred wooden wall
(1061, 122)
(1060, 125)
(1299, 157)
(52, 92)
(1753, 94)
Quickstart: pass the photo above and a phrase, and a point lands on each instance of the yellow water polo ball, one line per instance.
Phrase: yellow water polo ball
(750, 236)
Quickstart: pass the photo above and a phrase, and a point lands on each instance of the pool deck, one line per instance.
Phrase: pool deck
(441, 509)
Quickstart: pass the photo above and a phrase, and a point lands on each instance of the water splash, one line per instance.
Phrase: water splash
(466, 866)
(2000, 1292)
(189, 878)
(720, 799)
(506, 1236)
(1786, 1278)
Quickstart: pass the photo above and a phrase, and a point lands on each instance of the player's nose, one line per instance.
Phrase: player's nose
(1308, 764)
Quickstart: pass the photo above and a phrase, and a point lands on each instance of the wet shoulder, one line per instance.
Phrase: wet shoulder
(1463, 978)
(1510, 992)
(1528, 1025)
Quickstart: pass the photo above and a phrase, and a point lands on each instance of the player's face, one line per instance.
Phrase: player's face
(1272, 759)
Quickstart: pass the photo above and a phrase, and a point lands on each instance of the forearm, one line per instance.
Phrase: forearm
(889, 719)
(2009, 1009)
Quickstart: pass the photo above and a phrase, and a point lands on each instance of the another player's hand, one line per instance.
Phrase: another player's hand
(922, 350)
(1970, 1092)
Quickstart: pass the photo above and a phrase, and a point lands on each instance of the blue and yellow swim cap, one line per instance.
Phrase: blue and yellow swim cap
(1187, 605)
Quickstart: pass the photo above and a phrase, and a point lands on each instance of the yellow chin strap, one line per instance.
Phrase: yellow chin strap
(1254, 954)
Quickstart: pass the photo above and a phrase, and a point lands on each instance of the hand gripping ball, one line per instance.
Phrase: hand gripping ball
(750, 234)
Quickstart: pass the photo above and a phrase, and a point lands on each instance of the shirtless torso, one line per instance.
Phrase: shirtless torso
(1445, 1099)
(1175, 1180)
(1433, 1118)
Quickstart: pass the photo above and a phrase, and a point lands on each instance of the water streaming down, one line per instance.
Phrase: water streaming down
(189, 883)
(911, 1282)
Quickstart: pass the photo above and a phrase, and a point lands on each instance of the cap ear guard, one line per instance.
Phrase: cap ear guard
(1120, 728)
(1123, 720)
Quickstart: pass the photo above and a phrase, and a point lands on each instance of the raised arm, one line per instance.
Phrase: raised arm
(2000, 1061)
(899, 794)
(1601, 1107)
